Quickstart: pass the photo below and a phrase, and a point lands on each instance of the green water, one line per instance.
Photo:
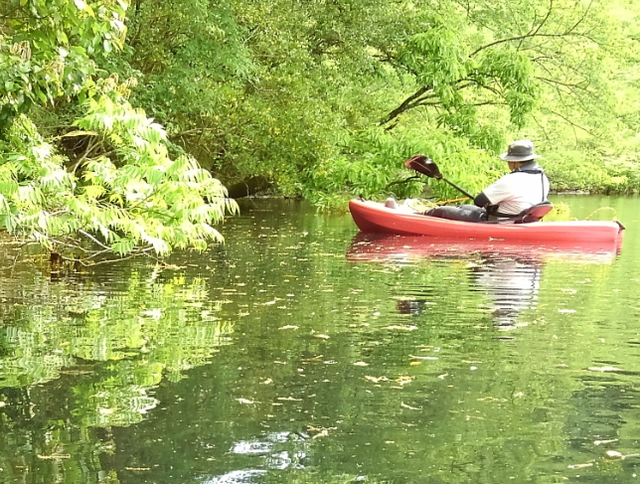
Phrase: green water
(302, 353)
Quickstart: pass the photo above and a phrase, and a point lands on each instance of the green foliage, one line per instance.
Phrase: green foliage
(274, 90)
(117, 191)
(47, 49)
(379, 175)
(297, 95)
(146, 198)
(573, 171)
(138, 199)
(514, 75)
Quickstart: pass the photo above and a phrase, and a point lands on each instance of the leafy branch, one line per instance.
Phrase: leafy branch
(434, 59)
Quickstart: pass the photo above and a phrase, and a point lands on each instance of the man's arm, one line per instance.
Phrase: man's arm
(496, 193)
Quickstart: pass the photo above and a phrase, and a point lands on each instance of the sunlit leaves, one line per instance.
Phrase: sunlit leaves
(164, 202)
(438, 58)
(46, 51)
(141, 199)
(135, 198)
(382, 174)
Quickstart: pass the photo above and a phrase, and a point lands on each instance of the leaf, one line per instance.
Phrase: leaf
(604, 368)
(409, 407)
(403, 380)
(94, 191)
(72, 134)
(376, 379)
(41, 95)
(600, 442)
(580, 466)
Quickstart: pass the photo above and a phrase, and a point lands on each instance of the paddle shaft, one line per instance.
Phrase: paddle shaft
(458, 188)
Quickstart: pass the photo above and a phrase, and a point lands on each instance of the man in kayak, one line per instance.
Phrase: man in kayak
(524, 187)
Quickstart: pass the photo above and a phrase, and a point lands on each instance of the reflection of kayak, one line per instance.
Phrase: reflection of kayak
(402, 248)
(374, 217)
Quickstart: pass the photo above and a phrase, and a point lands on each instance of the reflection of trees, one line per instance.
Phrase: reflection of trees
(247, 410)
(111, 342)
(167, 325)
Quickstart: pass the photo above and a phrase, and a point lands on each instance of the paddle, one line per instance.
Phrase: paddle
(426, 166)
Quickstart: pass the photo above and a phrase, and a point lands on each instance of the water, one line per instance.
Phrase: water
(300, 352)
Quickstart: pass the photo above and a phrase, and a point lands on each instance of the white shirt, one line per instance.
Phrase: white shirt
(518, 191)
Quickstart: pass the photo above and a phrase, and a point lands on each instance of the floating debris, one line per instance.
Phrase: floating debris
(600, 442)
(604, 368)
(404, 405)
(375, 379)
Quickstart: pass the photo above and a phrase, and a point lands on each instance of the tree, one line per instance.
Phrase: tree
(485, 71)
(507, 54)
(292, 95)
(104, 183)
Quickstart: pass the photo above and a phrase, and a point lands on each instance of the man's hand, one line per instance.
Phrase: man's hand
(481, 201)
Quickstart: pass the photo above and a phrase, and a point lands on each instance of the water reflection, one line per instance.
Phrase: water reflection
(270, 450)
(91, 355)
(274, 359)
(237, 477)
(400, 248)
(510, 284)
(507, 275)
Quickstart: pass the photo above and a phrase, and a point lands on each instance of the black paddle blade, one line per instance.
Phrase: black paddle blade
(424, 165)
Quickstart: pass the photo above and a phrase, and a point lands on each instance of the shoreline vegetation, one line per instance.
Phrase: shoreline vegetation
(121, 130)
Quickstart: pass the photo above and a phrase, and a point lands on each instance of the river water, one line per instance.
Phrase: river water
(302, 352)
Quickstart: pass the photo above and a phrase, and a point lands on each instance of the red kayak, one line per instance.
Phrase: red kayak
(374, 217)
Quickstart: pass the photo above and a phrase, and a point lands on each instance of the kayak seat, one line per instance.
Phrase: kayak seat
(533, 214)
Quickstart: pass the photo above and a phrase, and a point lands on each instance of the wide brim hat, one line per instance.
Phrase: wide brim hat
(520, 150)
